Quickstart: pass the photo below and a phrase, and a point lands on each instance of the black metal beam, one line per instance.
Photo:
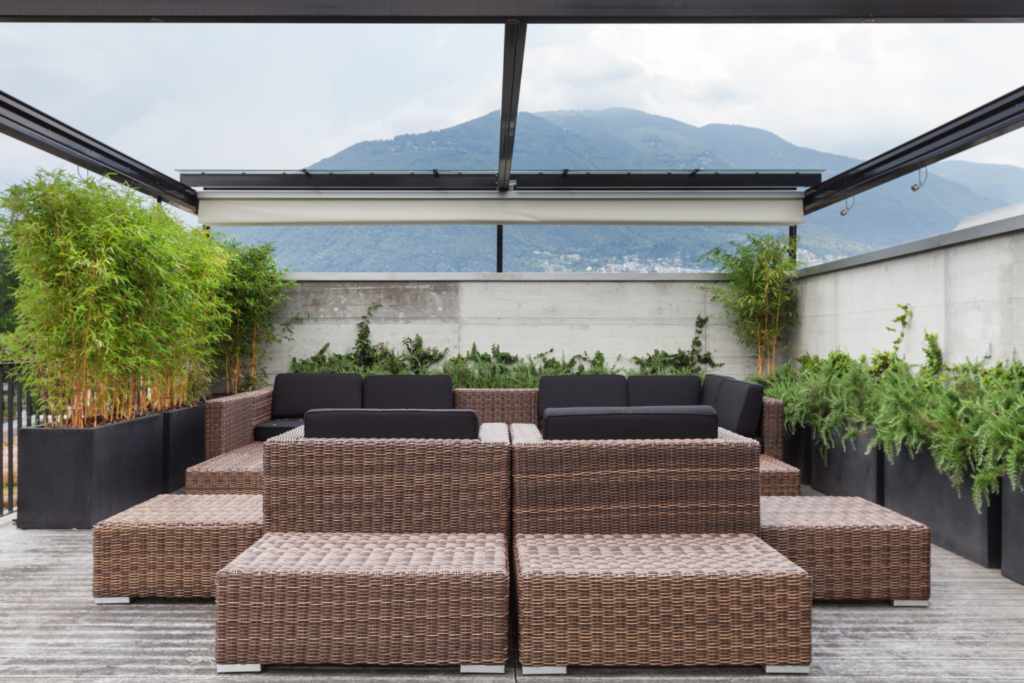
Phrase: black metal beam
(511, 80)
(44, 132)
(531, 11)
(998, 117)
(501, 248)
(532, 180)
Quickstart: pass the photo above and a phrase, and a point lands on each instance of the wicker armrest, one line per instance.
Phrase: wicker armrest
(772, 427)
(230, 419)
(498, 405)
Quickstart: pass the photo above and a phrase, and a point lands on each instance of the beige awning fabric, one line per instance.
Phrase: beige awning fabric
(221, 208)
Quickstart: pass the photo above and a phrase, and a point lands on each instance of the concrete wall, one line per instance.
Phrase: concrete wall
(968, 286)
(524, 313)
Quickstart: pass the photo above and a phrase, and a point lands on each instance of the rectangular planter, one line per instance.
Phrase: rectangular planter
(1013, 532)
(797, 451)
(184, 443)
(915, 488)
(855, 471)
(73, 478)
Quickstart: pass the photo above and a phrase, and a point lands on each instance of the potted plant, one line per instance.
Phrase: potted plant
(103, 292)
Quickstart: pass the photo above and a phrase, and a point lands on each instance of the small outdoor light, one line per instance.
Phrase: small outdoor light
(848, 207)
(920, 183)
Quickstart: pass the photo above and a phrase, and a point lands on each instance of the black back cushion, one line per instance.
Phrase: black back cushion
(392, 424)
(647, 390)
(581, 391)
(297, 392)
(739, 406)
(433, 392)
(649, 422)
(709, 392)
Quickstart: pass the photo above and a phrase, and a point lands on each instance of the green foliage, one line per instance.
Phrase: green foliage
(116, 302)
(882, 360)
(681, 362)
(8, 286)
(254, 291)
(760, 296)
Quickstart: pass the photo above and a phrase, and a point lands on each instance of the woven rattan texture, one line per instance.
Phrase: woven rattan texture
(772, 427)
(659, 600)
(230, 419)
(854, 549)
(634, 487)
(413, 599)
(508, 406)
(778, 478)
(172, 546)
(237, 472)
(387, 485)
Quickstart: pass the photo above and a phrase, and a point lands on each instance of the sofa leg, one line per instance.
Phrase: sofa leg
(787, 669)
(239, 668)
(542, 670)
(113, 601)
(482, 669)
(909, 603)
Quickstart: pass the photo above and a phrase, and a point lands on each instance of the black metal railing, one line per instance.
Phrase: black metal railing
(17, 413)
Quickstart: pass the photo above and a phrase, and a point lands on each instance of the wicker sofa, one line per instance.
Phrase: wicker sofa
(646, 553)
(376, 551)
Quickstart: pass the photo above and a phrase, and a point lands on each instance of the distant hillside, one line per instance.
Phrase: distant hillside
(623, 139)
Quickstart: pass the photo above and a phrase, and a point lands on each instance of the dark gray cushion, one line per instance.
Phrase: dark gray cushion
(368, 423)
(265, 430)
(651, 422)
(297, 392)
(709, 392)
(739, 406)
(581, 391)
(426, 392)
(649, 390)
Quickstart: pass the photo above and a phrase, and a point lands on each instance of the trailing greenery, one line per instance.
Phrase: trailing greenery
(760, 296)
(116, 306)
(969, 417)
(253, 292)
(495, 370)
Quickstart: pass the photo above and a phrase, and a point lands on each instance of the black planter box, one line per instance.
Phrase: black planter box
(73, 478)
(184, 443)
(1013, 532)
(915, 488)
(855, 471)
(798, 452)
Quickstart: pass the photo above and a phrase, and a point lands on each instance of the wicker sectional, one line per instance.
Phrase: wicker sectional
(854, 549)
(172, 546)
(236, 472)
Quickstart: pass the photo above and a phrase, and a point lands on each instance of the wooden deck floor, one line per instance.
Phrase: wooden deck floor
(51, 630)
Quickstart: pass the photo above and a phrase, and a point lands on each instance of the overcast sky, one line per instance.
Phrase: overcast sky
(252, 96)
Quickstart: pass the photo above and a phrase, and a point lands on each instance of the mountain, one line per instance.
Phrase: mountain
(623, 139)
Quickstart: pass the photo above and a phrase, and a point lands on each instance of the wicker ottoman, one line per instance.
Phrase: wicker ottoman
(237, 472)
(779, 478)
(362, 598)
(854, 549)
(171, 546)
(660, 600)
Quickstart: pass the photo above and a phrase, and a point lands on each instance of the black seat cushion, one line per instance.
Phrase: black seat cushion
(582, 391)
(369, 423)
(649, 390)
(425, 392)
(650, 422)
(297, 392)
(265, 430)
(739, 406)
(709, 392)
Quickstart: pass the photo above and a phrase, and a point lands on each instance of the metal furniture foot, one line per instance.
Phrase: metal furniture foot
(482, 669)
(542, 670)
(239, 668)
(786, 669)
(113, 601)
(909, 603)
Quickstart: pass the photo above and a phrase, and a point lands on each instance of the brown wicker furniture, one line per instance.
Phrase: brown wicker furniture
(510, 406)
(236, 472)
(778, 478)
(231, 419)
(405, 536)
(599, 527)
(854, 549)
(172, 546)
